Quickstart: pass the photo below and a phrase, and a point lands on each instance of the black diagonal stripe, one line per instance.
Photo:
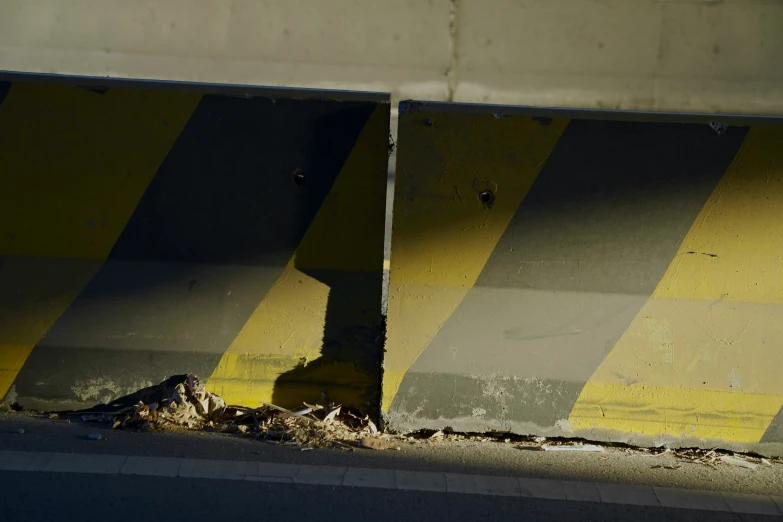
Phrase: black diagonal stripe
(212, 233)
(583, 253)
(4, 88)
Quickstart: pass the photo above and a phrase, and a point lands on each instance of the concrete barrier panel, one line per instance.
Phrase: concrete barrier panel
(616, 280)
(149, 230)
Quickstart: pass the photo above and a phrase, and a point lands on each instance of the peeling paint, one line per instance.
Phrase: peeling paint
(101, 390)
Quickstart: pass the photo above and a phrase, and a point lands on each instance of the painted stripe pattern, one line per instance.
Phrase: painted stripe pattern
(631, 292)
(71, 176)
(435, 215)
(142, 243)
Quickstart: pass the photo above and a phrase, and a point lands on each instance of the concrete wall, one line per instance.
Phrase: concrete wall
(147, 233)
(604, 279)
(678, 55)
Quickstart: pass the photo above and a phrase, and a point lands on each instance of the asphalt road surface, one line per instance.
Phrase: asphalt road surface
(31, 496)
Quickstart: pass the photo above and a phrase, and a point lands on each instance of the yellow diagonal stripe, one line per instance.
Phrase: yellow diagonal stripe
(443, 233)
(287, 328)
(73, 165)
(702, 357)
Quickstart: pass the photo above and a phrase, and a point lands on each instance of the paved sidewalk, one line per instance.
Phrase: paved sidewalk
(391, 479)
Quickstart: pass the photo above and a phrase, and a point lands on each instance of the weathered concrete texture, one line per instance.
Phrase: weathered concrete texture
(622, 54)
(697, 55)
(241, 202)
(403, 48)
(481, 403)
(609, 305)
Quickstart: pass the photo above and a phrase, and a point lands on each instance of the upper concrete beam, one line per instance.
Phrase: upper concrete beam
(683, 55)
(692, 55)
(397, 47)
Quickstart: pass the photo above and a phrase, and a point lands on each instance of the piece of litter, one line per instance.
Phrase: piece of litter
(766, 462)
(371, 425)
(734, 461)
(332, 414)
(540, 439)
(243, 429)
(575, 447)
(20, 431)
(95, 436)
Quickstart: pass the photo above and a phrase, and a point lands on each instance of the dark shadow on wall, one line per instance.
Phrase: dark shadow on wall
(348, 368)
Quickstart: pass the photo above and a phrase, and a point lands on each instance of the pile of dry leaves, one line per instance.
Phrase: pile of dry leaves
(190, 406)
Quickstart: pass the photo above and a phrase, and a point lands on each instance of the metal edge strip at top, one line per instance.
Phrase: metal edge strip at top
(107, 82)
(413, 106)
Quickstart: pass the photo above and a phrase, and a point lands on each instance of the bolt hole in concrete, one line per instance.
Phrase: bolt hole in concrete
(299, 178)
(486, 197)
(429, 122)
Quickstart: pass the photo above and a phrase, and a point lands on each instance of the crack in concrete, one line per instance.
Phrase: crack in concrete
(454, 22)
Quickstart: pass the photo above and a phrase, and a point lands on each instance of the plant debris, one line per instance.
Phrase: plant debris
(714, 457)
(182, 403)
(736, 461)
(190, 406)
(378, 443)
